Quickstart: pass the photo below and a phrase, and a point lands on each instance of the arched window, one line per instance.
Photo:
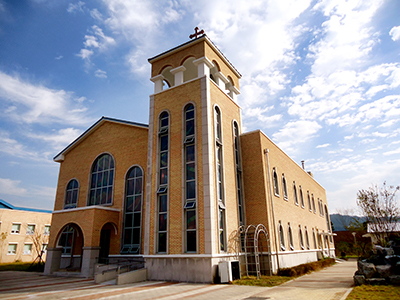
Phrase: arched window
(190, 179)
(276, 184)
(314, 240)
(307, 239)
(220, 181)
(301, 238)
(301, 197)
(102, 180)
(162, 192)
(238, 173)
(281, 237)
(296, 200)
(313, 203)
(309, 201)
(328, 224)
(290, 235)
(284, 187)
(133, 211)
(71, 194)
(66, 239)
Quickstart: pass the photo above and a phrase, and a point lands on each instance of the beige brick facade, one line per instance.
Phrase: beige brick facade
(198, 74)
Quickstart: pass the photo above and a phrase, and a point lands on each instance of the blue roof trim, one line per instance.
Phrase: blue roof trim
(94, 125)
(6, 205)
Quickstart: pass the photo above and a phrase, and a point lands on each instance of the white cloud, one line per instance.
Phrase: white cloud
(31, 103)
(296, 133)
(323, 145)
(77, 7)
(395, 33)
(12, 147)
(100, 73)
(58, 139)
(11, 187)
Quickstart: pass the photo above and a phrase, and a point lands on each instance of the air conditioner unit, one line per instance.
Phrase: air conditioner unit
(229, 270)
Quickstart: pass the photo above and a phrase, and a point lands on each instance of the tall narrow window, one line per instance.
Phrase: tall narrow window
(162, 207)
(301, 238)
(296, 200)
(71, 194)
(301, 196)
(133, 211)
(328, 223)
(276, 184)
(102, 180)
(220, 181)
(313, 203)
(284, 187)
(190, 179)
(309, 201)
(238, 173)
(290, 235)
(307, 239)
(314, 240)
(281, 237)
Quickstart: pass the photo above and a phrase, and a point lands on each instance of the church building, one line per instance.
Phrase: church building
(189, 190)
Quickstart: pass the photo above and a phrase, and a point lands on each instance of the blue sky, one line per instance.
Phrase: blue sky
(321, 78)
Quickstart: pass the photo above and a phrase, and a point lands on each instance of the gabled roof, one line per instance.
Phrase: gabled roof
(60, 156)
(6, 205)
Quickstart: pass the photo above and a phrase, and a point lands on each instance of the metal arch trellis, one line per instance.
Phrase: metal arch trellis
(250, 245)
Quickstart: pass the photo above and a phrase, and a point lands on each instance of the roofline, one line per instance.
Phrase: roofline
(259, 131)
(10, 206)
(60, 156)
(203, 37)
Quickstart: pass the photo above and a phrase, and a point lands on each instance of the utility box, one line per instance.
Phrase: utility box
(229, 270)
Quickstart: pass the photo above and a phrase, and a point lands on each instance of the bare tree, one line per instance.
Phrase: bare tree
(378, 205)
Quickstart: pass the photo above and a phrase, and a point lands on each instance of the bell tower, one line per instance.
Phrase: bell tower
(193, 188)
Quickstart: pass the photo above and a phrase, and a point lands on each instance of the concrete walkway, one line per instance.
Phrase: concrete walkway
(331, 283)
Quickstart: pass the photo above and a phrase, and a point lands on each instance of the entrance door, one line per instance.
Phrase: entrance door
(104, 245)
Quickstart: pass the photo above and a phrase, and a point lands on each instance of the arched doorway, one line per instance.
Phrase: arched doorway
(108, 236)
(71, 241)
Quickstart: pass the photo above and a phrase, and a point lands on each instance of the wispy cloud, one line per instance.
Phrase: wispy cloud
(30, 103)
(75, 7)
(11, 187)
(100, 73)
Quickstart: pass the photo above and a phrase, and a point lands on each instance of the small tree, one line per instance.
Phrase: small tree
(378, 205)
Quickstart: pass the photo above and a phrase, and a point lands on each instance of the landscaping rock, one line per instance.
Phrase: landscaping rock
(359, 280)
(367, 269)
(376, 281)
(392, 259)
(397, 268)
(394, 279)
(384, 271)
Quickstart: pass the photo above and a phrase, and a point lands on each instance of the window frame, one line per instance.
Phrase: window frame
(296, 199)
(98, 190)
(71, 191)
(190, 210)
(307, 238)
(133, 248)
(238, 169)
(275, 182)
(281, 236)
(162, 195)
(29, 252)
(15, 248)
(30, 232)
(284, 188)
(301, 240)
(15, 231)
(290, 237)
(44, 230)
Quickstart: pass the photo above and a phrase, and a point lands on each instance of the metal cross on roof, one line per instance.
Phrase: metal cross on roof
(196, 33)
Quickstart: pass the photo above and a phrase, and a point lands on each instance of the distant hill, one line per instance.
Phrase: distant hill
(340, 221)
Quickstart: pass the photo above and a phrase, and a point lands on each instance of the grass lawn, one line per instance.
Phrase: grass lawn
(21, 266)
(374, 292)
(263, 281)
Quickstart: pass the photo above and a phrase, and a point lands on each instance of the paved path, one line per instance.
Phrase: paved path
(329, 284)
